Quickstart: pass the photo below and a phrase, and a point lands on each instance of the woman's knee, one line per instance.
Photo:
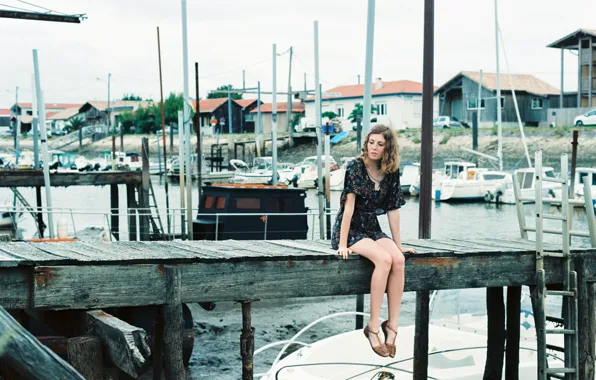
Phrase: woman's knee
(398, 261)
(384, 260)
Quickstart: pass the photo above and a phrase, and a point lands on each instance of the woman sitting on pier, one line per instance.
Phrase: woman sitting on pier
(371, 188)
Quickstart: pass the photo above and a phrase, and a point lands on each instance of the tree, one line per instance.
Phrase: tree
(329, 114)
(357, 112)
(131, 97)
(147, 119)
(226, 87)
(173, 103)
(126, 120)
(74, 124)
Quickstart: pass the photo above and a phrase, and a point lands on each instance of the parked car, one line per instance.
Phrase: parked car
(588, 118)
(447, 122)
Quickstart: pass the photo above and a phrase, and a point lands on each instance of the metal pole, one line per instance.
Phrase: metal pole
(499, 122)
(562, 76)
(305, 82)
(320, 192)
(183, 144)
(573, 164)
(44, 147)
(230, 113)
(274, 118)
(35, 126)
(328, 184)
(370, 40)
(479, 101)
(289, 106)
(259, 121)
(20, 111)
(163, 135)
(199, 142)
(243, 80)
(182, 163)
(424, 226)
(188, 155)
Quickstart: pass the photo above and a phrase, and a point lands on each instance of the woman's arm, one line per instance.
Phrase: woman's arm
(394, 225)
(347, 220)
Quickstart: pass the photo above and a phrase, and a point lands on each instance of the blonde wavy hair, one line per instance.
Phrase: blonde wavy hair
(390, 159)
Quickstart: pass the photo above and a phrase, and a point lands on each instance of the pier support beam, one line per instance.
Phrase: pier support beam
(84, 354)
(131, 211)
(360, 309)
(173, 323)
(114, 215)
(144, 193)
(247, 342)
(586, 322)
(513, 335)
(495, 307)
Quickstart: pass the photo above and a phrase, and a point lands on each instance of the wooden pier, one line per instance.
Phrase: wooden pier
(44, 278)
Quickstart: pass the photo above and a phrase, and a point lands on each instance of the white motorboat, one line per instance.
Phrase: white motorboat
(463, 181)
(525, 179)
(457, 347)
(581, 175)
(262, 172)
(307, 170)
(409, 175)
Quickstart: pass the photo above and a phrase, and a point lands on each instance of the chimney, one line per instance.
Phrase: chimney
(378, 84)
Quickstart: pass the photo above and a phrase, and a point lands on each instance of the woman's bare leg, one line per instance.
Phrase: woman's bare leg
(378, 283)
(395, 284)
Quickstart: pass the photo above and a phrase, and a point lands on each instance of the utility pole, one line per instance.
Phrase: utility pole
(305, 88)
(16, 137)
(358, 78)
(185, 121)
(499, 122)
(274, 117)
(289, 106)
(370, 40)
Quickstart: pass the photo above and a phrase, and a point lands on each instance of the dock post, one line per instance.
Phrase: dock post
(85, 355)
(495, 307)
(144, 192)
(132, 212)
(359, 309)
(114, 215)
(586, 322)
(513, 335)
(247, 342)
(173, 325)
(39, 211)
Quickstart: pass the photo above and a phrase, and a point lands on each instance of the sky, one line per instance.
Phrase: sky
(227, 36)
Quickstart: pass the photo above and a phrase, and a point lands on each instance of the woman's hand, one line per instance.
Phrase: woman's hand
(407, 250)
(344, 252)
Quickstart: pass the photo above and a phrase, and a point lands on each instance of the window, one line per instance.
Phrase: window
(537, 103)
(248, 203)
(381, 108)
(502, 102)
(582, 178)
(208, 201)
(528, 181)
(30, 113)
(340, 111)
(221, 203)
(473, 104)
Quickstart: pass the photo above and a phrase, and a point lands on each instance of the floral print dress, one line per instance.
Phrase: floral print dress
(369, 203)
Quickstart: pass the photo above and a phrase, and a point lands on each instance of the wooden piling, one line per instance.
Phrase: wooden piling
(421, 336)
(114, 216)
(495, 307)
(513, 334)
(586, 322)
(158, 333)
(131, 211)
(173, 325)
(247, 342)
(39, 213)
(84, 354)
(144, 192)
(359, 309)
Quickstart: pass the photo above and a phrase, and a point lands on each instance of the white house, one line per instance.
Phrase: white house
(59, 120)
(397, 103)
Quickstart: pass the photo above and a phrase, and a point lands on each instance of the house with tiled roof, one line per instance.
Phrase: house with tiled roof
(458, 98)
(217, 109)
(25, 110)
(396, 103)
(282, 115)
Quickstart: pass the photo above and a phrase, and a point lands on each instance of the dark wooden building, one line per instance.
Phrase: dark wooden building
(584, 42)
(459, 98)
(218, 109)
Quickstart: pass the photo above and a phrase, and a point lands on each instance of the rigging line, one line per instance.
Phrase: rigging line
(21, 9)
(38, 6)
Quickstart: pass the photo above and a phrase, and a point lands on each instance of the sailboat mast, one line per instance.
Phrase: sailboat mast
(499, 123)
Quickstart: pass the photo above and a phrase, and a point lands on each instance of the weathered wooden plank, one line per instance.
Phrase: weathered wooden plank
(432, 247)
(192, 250)
(29, 253)
(153, 251)
(26, 354)
(84, 354)
(14, 288)
(586, 322)
(65, 287)
(495, 307)
(97, 286)
(476, 246)
(326, 244)
(304, 246)
(173, 326)
(513, 332)
(62, 250)
(32, 178)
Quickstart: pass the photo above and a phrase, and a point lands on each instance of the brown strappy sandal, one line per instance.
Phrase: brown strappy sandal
(380, 350)
(390, 347)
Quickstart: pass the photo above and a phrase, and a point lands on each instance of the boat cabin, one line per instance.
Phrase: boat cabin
(525, 176)
(257, 201)
(454, 168)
